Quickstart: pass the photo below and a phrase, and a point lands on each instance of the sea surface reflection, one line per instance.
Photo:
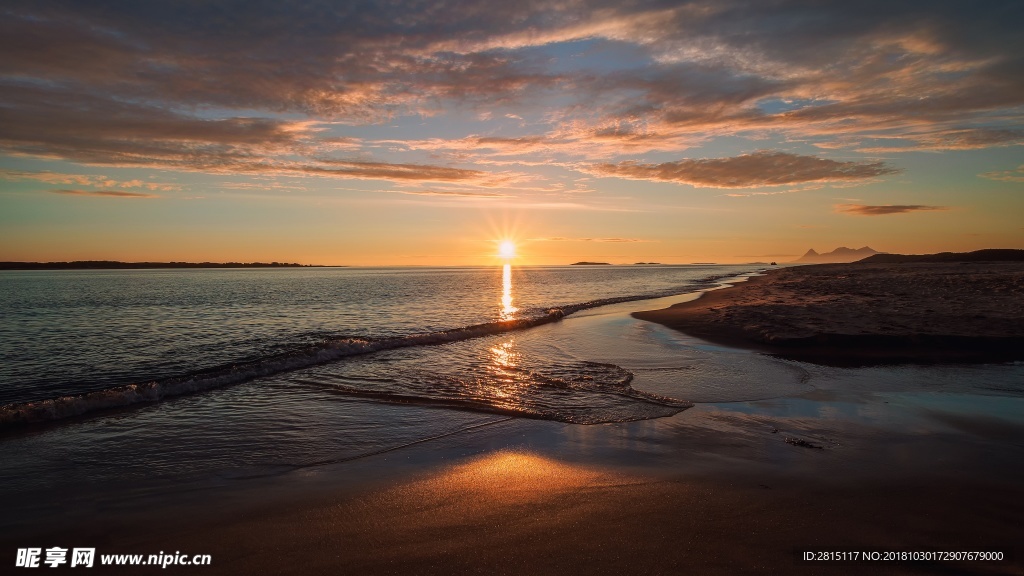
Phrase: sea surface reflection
(508, 311)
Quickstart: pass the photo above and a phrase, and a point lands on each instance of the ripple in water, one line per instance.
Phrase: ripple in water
(493, 375)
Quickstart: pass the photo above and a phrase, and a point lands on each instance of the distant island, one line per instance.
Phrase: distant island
(840, 255)
(115, 265)
(590, 264)
(647, 264)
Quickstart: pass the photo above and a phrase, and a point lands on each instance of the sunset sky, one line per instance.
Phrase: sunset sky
(424, 133)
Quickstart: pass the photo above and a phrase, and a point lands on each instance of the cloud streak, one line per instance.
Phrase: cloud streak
(102, 193)
(867, 210)
(1006, 175)
(102, 132)
(84, 180)
(451, 193)
(763, 168)
(612, 240)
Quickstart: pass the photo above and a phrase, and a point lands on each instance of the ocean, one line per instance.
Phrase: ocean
(75, 341)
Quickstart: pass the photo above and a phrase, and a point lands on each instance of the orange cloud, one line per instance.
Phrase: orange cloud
(394, 172)
(1007, 175)
(84, 180)
(956, 139)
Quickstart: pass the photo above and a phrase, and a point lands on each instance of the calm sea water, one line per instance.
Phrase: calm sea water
(125, 337)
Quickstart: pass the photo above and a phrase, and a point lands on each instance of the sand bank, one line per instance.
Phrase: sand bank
(854, 314)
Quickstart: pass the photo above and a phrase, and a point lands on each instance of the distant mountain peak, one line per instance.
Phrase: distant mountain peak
(841, 254)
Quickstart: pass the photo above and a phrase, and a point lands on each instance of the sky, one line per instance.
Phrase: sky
(426, 133)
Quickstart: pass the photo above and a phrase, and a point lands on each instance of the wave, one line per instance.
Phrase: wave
(330, 350)
(577, 392)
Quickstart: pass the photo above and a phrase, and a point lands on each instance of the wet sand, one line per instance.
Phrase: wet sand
(714, 490)
(860, 314)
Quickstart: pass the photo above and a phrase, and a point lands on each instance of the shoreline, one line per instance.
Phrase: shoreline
(43, 412)
(865, 314)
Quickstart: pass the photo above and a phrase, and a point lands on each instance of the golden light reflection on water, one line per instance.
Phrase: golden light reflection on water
(504, 355)
(508, 311)
(503, 376)
(503, 381)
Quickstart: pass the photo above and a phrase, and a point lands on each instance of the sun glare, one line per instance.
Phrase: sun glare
(507, 249)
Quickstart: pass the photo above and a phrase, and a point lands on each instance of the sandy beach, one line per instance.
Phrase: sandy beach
(852, 314)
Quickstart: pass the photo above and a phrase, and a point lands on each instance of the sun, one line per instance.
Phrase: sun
(507, 249)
